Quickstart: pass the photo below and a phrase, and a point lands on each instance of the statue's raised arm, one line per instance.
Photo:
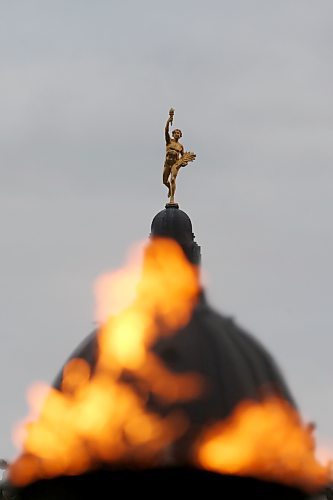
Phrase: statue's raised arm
(167, 126)
(175, 157)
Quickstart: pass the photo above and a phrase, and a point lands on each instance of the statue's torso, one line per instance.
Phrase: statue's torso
(173, 151)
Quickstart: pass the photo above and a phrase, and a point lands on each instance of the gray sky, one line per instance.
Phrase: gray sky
(85, 90)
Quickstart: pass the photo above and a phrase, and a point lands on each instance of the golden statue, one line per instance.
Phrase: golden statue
(175, 157)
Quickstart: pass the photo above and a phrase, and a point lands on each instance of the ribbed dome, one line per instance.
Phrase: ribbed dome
(173, 223)
(176, 224)
(235, 366)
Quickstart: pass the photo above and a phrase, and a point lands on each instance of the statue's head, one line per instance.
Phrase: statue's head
(177, 134)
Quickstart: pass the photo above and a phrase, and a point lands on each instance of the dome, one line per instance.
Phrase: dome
(236, 366)
(173, 223)
(176, 224)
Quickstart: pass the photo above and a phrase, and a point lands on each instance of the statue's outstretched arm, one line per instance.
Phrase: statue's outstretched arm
(170, 120)
(166, 130)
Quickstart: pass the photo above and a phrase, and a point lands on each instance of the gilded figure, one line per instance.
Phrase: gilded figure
(175, 157)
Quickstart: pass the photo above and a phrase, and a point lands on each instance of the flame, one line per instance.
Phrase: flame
(265, 440)
(98, 417)
(103, 416)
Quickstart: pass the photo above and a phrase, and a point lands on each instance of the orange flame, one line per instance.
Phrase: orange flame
(100, 418)
(265, 440)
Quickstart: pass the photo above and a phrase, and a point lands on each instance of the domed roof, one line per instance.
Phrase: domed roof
(173, 223)
(235, 366)
(176, 224)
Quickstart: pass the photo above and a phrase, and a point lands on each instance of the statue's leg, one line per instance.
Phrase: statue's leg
(174, 173)
(166, 175)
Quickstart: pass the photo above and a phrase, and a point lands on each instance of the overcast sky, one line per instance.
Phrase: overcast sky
(85, 89)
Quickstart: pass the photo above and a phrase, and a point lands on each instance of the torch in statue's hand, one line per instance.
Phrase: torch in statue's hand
(171, 115)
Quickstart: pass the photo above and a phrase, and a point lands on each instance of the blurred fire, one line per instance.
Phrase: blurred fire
(99, 417)
(266, 440)
(103, 416)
